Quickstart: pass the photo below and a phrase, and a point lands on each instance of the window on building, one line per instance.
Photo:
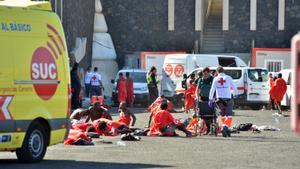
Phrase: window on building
(274, 65)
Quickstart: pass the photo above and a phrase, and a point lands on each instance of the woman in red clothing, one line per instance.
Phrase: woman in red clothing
(121, 86)
(126, 115)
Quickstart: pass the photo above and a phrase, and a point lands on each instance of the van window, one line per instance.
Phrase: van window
(234, 74)
(137, 77)
(258, 75)
(227, 62)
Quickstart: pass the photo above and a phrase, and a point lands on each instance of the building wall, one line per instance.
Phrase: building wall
(239, 37)
(78, 21)
(142, 25)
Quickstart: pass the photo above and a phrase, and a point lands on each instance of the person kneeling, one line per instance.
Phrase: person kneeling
(164, 124)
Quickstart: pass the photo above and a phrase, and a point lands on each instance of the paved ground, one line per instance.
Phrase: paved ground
(246, 150)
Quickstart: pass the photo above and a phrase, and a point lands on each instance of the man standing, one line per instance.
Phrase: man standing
(96, 83)
(121, 87)
(271, 84)
(221, 85)
(202, 94)
(130, 90)
(152, 83)
(277, 92)
(87, 81)
(76, 87)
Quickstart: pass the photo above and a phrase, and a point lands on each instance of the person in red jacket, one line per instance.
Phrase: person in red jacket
(155, 107)
(164, 124)
(125, 115)
(190, 95)
(278, 91)
(107, 127)
(121, 86)
(130, 90)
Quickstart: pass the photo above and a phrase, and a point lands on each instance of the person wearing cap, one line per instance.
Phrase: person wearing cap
(222, 85)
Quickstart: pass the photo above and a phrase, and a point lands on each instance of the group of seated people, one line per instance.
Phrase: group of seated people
(97, 119)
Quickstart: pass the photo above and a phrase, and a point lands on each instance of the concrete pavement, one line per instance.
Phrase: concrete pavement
(269, 149)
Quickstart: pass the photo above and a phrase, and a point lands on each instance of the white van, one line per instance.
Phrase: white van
(287, 75)
(252, 84)
(176, 65)
(140, 88)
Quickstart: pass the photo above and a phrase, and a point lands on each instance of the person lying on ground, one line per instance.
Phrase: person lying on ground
(125, 115)
(106, 127)
(164, 124)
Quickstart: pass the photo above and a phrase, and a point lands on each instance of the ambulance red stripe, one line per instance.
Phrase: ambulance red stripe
(57, 34)
(52, 50)
(56, 44)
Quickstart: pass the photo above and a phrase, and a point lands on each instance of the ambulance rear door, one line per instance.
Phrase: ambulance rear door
(7, 91)
(257, 85)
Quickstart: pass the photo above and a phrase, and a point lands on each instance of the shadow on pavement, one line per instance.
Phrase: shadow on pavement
(72, 164)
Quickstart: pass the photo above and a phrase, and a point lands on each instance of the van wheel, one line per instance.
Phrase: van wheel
(34, 145)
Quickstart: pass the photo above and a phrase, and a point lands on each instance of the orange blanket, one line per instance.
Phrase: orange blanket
(278, 90)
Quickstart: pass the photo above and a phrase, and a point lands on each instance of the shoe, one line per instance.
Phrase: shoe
(225, 131)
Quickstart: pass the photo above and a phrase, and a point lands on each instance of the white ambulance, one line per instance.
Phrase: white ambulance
(175, 65)
(252, 84)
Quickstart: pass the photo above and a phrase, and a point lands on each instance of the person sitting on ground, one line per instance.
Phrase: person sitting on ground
(126, 115)
(106, 127)
(78, 115)
(155, 107)
(164, 124)
(191, 126)
(96, 111)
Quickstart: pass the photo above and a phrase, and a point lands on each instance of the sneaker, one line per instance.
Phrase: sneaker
(225, 131)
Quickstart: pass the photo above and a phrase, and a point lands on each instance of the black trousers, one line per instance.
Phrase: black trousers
(75, 103)
(153, 94)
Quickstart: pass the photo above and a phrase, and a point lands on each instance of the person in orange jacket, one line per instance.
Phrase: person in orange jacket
(125, 115)
(164, 124)
(190, 95)
(121, 87)
(277, 92)
(130, 90)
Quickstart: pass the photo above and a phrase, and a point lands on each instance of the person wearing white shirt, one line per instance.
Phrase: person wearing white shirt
(221, 88)
(96, 83)
(87, 81)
